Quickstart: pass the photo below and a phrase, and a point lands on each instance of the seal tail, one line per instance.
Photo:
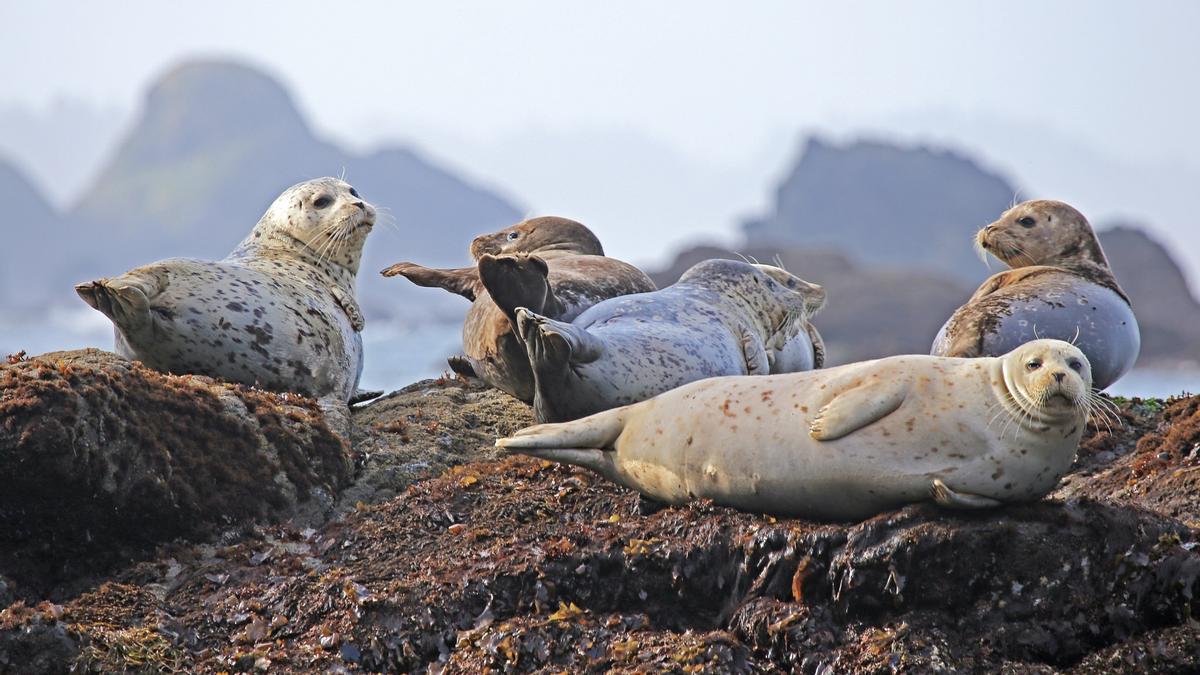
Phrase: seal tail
(551, 343)
(515, 281)
(587, 442)
(123, 302)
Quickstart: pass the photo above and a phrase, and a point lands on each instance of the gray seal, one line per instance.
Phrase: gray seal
(723, 317)
(1060, 287)
(847, 442)
(278, 313)
(553, 266)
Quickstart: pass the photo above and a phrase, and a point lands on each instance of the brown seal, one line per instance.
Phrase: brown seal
(554, 266)
(1061, 287)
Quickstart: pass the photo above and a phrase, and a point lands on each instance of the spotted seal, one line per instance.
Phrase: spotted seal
(1060, 287)
(279, 312)
(845, 443)
(554, 266)
(723, 317)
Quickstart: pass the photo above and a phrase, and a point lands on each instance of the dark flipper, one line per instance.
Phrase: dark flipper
(462, 281)
(461, 365)
(518, 280)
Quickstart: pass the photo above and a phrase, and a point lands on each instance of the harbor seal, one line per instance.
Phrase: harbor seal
(723, 317)
(279, 312)
(848, 442)
(1060, 287)
(554, 266)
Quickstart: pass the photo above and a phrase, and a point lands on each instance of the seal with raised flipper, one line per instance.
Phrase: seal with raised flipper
(1060, 286)
(845, 442)
(553, 266)
(279, 312)
(723, 317)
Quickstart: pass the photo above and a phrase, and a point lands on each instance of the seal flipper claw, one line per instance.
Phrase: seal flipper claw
(856, 408)
(462, 365)
(754, 353)
(520, 280)
(949, 499)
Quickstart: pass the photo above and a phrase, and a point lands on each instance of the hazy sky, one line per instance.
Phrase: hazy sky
(725, 88)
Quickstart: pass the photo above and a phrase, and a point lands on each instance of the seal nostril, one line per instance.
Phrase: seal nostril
(1059, 377)
(361, 205)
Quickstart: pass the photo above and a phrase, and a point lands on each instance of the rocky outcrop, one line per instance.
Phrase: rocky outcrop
(518, 565)
(101, 459)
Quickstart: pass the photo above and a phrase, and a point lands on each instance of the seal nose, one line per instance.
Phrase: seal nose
(361, 205)
(1060, 376)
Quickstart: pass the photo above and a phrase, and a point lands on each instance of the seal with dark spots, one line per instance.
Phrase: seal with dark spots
(1060, 286)
(847, 442)
(551, 265)
(723, 317)
(292, 277)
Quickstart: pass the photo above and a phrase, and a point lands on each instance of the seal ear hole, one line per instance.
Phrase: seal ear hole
(1033, 364)
(1026, 221)
(323, 201)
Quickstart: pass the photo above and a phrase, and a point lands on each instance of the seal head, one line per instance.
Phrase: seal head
(543, 235)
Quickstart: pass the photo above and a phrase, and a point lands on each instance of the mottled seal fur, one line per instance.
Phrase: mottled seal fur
(723, 317)
(551, 265)
(1060, 287)
(846, 442)
(279, 312)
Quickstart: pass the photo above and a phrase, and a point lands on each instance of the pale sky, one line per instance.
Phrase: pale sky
(725, 87)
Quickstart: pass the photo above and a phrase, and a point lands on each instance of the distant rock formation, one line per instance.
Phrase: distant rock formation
(885, 205)
(1167, 312)
(30, 225)
(216, 142)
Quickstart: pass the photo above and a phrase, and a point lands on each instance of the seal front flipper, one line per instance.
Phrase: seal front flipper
(461, 365)
(949, 499)
(818, 345)
(518, 280)
(856, 408)
(350, 307)
(462, 281)
(753, 353)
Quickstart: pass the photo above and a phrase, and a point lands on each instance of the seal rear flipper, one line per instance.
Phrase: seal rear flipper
(122, 299)
(519, 280)
(586, 442)
(462, 365)
(946, 498)
(462, 281)
(856, 408)
(555, 343)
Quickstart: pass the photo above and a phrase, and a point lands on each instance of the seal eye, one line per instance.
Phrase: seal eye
(1034, 364)
(353, 192)
(513, 235)
(322, 201)
(1026, 221)
(1076, 365)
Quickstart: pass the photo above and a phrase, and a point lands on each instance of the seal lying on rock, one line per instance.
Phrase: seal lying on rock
(723, 317)
(1060, 287)
(554, 266)
(847, 442)
(279, 312)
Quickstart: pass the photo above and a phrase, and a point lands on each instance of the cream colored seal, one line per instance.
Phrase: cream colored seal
(846, 442)
(279, 312)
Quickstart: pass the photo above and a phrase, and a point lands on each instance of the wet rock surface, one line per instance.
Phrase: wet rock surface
(101, 459)
(450, 560)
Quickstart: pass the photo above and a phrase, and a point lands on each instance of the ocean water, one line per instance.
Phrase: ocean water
(400, 354)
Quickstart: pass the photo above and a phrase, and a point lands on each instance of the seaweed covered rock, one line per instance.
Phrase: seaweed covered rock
(424, 429)
(101, 458)
(517, 565)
